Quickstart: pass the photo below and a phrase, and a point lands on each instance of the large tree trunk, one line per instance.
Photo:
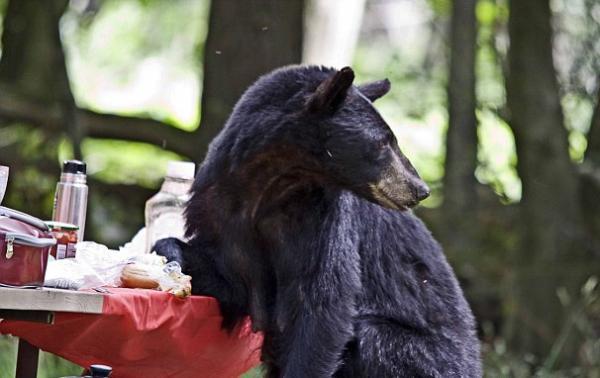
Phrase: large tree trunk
(590, 178)
(245, 40)
(332, 31)
(32, 58)
(544, 165)
(592, 153)
(33, 62)
(461, 141)
(32, 66)
(551, 220)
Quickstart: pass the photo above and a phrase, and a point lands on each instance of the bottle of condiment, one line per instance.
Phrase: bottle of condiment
(164, 211)
(70, 199)
(66, 239)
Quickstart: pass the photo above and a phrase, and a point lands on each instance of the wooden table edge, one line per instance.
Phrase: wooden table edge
(48, 299)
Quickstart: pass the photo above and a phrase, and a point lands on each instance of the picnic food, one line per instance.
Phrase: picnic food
(136, 276)
(164, 277)
(176, 282)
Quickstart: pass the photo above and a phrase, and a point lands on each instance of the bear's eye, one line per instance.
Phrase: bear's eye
(382, 144)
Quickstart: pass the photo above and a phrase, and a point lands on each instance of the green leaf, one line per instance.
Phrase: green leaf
(486, 12)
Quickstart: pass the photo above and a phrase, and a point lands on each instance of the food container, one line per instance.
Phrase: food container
(25, 243)
(70, 198)
(66, 239)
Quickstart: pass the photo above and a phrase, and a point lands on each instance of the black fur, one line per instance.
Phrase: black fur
(286, 226)
(412, 320)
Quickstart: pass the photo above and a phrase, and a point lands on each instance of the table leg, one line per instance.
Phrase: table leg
(27, 360)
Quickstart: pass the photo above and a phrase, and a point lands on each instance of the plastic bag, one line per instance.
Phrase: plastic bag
(70, 274)
(174, 281)
(137, 245)
(95, 265)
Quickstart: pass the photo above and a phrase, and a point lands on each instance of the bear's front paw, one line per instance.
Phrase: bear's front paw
(171, 248)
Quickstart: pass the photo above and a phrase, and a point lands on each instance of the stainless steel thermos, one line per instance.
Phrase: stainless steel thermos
(70, 199)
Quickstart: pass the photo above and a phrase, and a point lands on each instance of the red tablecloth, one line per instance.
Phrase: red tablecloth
(145, 333)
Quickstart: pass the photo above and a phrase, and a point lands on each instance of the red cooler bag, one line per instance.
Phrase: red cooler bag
(25, 243)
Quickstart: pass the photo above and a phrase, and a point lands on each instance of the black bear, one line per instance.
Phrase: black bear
(299, 218)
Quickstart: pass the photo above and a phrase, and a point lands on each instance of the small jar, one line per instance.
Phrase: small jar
(66, 239)
(95, 371)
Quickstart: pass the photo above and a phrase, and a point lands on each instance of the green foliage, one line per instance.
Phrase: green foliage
(2, 10)
(149, 64)
(583, 317)
(578, 113)
(114, 161)
(8, 350)
(50, 366)
(497, 152)
(497, 156)
(416, 104)
(257, 372)
(441, 7)
(577, 46)
(30, 187)
(490, 12)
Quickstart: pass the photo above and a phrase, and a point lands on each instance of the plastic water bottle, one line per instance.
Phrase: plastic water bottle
(164, 211)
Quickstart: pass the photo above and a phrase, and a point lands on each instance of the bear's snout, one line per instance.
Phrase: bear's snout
(422, 191)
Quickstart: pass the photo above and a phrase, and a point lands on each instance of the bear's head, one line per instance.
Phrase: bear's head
(362, 152)
(325, 126)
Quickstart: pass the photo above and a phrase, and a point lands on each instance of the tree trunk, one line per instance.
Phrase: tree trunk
(460, 197)
(330, 39)
(33, 61)
(590, 179)
(245, 40)
(544, 165)
(592, 153)
(32, 66)
(550, 204)
(32, 58)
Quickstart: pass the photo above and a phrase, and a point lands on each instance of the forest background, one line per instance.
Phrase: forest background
(494, 101)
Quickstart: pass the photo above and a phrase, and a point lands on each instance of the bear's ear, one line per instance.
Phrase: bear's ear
(375, 90)
(331, 92)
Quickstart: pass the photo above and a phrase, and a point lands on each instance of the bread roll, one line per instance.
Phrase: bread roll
(135, 276)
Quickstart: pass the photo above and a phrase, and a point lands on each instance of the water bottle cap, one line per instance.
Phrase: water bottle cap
(181, 170)
(74, 166)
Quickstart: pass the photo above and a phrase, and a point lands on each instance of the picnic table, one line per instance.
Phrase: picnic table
(137, 332)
